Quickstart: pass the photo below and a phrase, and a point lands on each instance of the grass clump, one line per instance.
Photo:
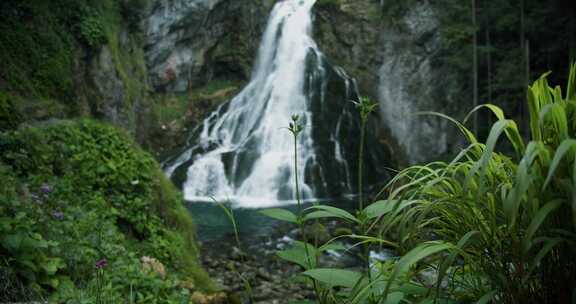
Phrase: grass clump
(508, 218)
(79, 195)
(486, 227)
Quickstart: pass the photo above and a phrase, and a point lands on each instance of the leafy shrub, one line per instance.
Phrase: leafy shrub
(25, 251)
(82, 191)
(10, 117)
(91, 31)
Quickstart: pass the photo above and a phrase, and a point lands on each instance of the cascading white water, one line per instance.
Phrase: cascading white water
(248, 159)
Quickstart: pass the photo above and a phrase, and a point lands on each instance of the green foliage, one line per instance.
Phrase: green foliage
(10, 116)
(44, 44)
(329, 3)
(77, 192)
(35, 62)
(92, 31)
(519, 209)
(22, 247)
(485, 227)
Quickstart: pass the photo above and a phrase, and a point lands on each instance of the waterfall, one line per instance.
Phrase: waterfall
(243, 155)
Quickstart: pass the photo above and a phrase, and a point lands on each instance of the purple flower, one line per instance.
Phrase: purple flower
(59, 215)
(101, 263)
(36, 198)
(46, 188)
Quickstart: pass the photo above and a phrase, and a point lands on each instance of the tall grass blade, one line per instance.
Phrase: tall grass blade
(536, 222)
(469, 135)
(414, 256)
(335, 212)
(561, 151)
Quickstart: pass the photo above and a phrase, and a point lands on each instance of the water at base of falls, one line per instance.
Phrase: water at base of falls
(243, 155)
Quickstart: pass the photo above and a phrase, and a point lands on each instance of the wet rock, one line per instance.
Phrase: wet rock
(187, 285)
(217, 298)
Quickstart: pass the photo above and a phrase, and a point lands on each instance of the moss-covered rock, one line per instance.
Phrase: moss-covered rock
(174, 115)
(79, 57)
(84, 192)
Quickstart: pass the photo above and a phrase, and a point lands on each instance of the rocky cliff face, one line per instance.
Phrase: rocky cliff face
(114, 84)
(395, 62)
(192, 42)
(411, 81)
(192, 50)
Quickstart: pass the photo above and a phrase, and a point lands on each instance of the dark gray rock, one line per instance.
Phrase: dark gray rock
(192, 42)
(396, 62)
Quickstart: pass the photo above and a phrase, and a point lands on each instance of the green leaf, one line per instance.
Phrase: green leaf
(537, 220)
(280, 214)
(332, 246)
(333, 211)
(12, 242)
(571, 86)
(298, 254)
(469, 135)
(512, 133)
(444, 266)
(549, 244)
(370, 239)
(51, 266)
(414, 256)
(487, 297)
(28, 263)
(335, 277)
(52, 282)
(561, 151)
(394, 298)
(556, 114)
(318, 215)
(482, 164)
(382, 207)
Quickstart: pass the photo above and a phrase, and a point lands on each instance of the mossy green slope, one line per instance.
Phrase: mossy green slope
(76, 192)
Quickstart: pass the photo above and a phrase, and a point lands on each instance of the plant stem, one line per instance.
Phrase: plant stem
(296, 173)
(361, 163)
(300, 220)
(365, 109)
(300, 211)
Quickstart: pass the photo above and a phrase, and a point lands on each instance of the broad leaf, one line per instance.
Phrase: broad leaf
(334, 277)
(335, 212)
(485, 299)
(298, 254)
(280, 214)
(414, 256)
